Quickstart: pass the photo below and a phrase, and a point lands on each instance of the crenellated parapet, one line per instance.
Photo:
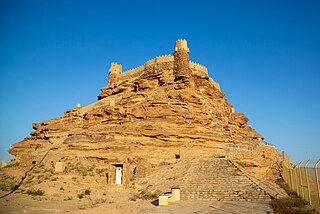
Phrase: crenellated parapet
(115, 68)
(114, 72)
(135, 72)
(132, 73)
(198, 67)
(158, 60)
(180, 64)
(181, 45)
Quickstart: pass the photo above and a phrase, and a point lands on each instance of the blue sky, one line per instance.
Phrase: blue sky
(264, 54)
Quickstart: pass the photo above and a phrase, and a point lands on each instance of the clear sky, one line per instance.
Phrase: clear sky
(264, 54)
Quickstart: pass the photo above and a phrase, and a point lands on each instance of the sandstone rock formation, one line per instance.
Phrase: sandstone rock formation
(165, 110)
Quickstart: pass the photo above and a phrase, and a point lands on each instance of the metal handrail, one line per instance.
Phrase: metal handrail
(249, 148)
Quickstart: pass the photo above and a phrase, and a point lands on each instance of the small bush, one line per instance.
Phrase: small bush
(61, 188)
(80, 196)
(8, 186)
(5, 177)
(3, 187)
(291, 205)
(13, 187)
(37, 192)
(84, 171)
(87, 192)
(84, 193)
(14, 164)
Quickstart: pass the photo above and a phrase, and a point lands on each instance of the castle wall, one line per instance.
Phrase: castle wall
(197, 69)
(131, 74)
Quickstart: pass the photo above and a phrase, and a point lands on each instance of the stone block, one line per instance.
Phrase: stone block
(59, 167)
(163, 200)
(176, 193)
(3, 164)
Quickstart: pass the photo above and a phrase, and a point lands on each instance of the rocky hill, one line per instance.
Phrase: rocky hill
(164, 111)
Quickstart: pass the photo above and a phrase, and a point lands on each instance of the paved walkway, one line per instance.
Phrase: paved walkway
(208, 207)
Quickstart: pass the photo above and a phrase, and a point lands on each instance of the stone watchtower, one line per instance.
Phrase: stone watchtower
(114, 71)
(181, 68)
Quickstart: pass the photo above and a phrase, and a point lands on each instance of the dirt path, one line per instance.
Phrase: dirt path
(120, 203)
(216, 207)
(110, 203)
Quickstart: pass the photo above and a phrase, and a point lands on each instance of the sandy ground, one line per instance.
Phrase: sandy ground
(113, 202)
(120, 202)
(207, 207)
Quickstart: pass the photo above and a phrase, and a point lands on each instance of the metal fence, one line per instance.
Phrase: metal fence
(304, 179)
(242, 147)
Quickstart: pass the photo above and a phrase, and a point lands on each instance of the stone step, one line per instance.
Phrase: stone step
(219, 179)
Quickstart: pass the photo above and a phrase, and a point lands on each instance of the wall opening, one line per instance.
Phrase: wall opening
(119, 170)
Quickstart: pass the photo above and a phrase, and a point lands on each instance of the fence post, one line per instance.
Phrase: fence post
(308, 186)
(302, 190)
(291, 179)
(298, 180)
(294, 179)
(317, 181)
(285, 173)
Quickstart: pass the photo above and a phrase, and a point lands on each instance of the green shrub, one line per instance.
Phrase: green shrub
(84, 193)
(80, 196)
(87, 192)
(14, 164)
(37, 192)
(13, 187)
(84, 171)
(3, 187)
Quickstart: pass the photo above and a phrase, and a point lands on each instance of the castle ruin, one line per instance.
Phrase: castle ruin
(167, 112)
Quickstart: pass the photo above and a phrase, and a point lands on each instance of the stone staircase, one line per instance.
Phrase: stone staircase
(218, 179)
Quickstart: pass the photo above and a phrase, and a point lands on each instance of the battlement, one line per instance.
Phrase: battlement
(197, 67)
(116, 75)
(115, 68)
(135, 72)
(181, 44)
(159, 59)
(114, 72)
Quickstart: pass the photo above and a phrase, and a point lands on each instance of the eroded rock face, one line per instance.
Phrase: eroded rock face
(166, 107)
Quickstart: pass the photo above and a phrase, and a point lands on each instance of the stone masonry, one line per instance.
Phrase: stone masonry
(218, 179)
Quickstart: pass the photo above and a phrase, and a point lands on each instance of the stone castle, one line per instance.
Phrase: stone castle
(149, 123)
(170, 62)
